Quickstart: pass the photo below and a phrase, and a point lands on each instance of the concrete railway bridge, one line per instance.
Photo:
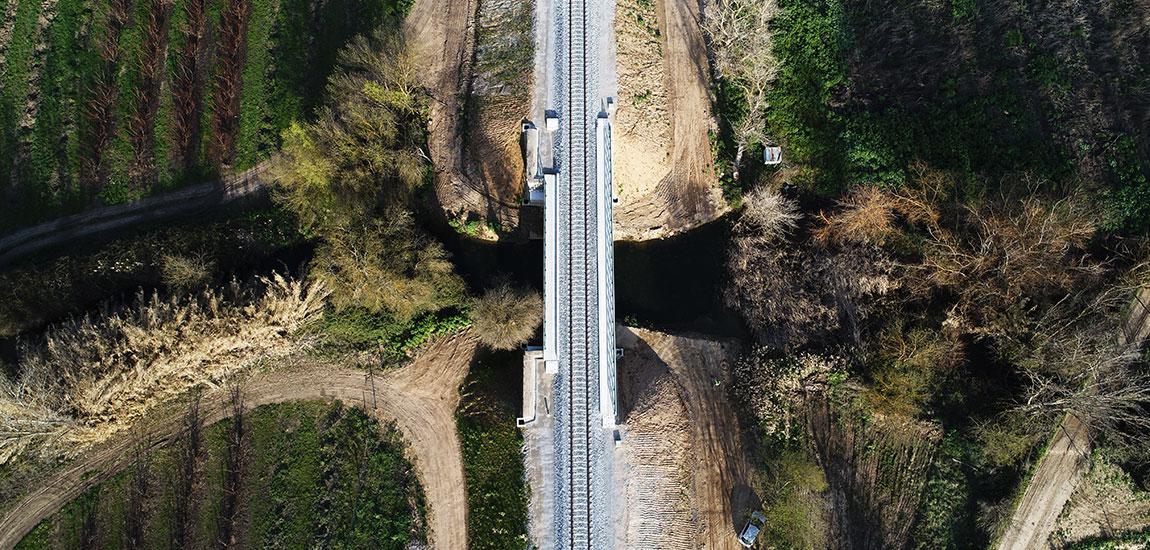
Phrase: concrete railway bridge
(570, 398)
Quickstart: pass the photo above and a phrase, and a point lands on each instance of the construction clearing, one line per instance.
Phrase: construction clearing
(681, 476)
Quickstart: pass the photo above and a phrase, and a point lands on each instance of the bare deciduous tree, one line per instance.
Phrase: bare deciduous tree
(151, 70)
(230, 55)
(188, 86)
(188, 473)
(233, 474)
(100, 107)
(1110, 394)
(740, 37)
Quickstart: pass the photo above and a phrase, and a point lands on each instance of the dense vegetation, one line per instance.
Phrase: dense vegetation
(175, 258)
(292, 475)
(103, 101)
(864, 92)
(497, 492)
(960, 227)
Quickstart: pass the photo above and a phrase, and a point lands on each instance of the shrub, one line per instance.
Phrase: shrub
(774, 388)
(386, 265)
(506, 318)
(183, 273)
(793, 501)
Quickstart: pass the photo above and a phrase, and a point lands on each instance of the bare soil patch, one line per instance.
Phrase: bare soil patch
(689, 483)
(498, 101)
(663, 159)
(477, 60)
(441, 37)
(421, 398)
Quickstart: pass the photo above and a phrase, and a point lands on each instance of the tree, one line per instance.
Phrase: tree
(1110, 395)
(506, 317)
(740, 37)
(387, 265)
(362, 155)
(771, 216)
(348, 178)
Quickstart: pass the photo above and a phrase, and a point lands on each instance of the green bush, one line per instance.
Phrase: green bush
(793, 501)
(361, 329)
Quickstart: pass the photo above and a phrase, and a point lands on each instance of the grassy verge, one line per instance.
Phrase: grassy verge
(357, 329)
(792, 498)
(1127, 541)
(497, 493)
(311, 475)
(228, 243)
(16, 74)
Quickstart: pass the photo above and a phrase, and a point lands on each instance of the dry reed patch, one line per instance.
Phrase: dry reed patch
(90, 379)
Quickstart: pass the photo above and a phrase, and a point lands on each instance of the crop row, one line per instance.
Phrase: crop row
(106, 101)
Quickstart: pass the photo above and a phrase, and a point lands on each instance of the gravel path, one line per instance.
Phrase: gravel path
(421, 398)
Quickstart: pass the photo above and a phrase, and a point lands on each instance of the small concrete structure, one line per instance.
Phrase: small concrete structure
(532, 363)
(772, 155)
(552, 121)
(531, 165)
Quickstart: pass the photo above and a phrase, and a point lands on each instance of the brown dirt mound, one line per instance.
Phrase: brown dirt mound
(673, 395)
(663, 160)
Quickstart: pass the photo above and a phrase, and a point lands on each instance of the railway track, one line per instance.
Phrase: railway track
(581, 256)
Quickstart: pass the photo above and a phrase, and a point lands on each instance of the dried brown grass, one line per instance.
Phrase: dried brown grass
(89, 379)
(506, 317)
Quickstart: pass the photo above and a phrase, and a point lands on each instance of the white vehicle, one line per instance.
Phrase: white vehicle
(751, 530)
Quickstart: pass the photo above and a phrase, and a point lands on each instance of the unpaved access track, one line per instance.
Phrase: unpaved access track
(688, 475)
(98, 221)
(421, 398)
(1058, 472)
(1053, 482)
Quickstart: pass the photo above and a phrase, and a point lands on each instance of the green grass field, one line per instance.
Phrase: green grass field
(313, 475)
(497, 492)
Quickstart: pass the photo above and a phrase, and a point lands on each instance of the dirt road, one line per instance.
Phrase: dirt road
(187, 201)
(674, 396)
(1053, 482)
(421, 398)
(1059, 471)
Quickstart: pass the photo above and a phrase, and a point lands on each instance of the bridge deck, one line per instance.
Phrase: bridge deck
(580, 324)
